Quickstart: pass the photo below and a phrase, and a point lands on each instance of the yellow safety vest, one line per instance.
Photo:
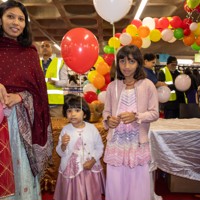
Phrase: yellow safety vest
(55, 94)
(169, 81)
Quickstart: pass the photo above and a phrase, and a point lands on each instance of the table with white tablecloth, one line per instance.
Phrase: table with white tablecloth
(175, 147)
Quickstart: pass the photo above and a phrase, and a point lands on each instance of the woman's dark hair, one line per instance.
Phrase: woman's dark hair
(75, 101)
(134, 51)
(25, 39)
(149, 56)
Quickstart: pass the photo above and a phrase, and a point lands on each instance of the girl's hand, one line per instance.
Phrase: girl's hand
(113, 122)
(89, 164)
(13, 99)
(3, 95)
(65, 140)
(127, 117)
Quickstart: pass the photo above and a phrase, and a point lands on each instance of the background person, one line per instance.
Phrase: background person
(127, 114)
(56, 76)
(168, 75)
(149, 64)
(25, 133)
(80, 147)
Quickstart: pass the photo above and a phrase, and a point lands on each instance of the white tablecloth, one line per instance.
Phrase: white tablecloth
(175, 147)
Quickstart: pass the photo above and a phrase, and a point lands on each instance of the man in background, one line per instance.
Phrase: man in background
(168, 75)
(56, 76)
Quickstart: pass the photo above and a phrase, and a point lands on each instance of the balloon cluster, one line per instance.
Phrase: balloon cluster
(98, 79)
(169, 29)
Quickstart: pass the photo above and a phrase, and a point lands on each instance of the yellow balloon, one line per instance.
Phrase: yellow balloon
(155, 35)
(169, 18)
(91, 75)
(197, 31)
(99, 59)
(114, 42)
(132, 29)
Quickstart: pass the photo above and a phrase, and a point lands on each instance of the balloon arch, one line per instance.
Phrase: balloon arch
(79, 47)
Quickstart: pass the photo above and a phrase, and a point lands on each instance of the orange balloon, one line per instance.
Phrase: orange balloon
(189, 40)
(143, 31)
(103, 68)
(99, 81)
(198, 40)
(137, 41)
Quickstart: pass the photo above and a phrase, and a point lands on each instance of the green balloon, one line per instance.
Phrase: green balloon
(195, 47)
(193, 3)
(107, 49)
(178, 33)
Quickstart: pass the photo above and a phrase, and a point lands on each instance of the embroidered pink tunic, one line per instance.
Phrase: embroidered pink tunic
(124, 147)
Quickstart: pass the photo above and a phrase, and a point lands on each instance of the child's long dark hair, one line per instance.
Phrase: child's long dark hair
(74, 101)
(134, 51)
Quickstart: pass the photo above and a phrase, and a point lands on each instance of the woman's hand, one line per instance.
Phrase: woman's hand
(127, 117)
(3, 95)
(113, 122)
(65, 140)
(13, 99)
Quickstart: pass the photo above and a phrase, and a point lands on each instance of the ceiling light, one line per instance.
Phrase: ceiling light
(140, 9)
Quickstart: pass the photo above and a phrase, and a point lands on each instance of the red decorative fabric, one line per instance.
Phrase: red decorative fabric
(20, 71)
(7, 183)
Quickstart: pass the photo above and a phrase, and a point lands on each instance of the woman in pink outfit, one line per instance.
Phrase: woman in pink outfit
(131, 104)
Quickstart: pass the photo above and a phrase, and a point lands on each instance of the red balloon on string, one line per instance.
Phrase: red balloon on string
(90, 96)
(79, 49)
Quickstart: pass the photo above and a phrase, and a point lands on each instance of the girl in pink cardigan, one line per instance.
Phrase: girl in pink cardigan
(131, 104)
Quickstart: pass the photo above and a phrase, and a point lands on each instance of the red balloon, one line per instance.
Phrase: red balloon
(107, 78)
(109, 58)
(79, 49)
(186, 23)
(90, 96)
(163, 22)
(176, 22)
(117, 35)
(136, 22)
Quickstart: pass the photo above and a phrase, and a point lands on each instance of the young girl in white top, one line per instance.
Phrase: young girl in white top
(80, 147)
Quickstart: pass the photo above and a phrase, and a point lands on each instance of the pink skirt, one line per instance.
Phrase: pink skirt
(128, 183)
(86, 186)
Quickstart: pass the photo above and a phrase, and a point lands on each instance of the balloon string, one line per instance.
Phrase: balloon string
(80, 90)
(115, 63)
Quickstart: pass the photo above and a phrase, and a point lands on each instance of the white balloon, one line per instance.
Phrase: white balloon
(182, 82)
(89, 87)
(146, 42)
(172, 40)
(112, 10)
(102, 96)
(125, 38)
(149, 21)
(163, 94)
(193, 26)
(167, 34)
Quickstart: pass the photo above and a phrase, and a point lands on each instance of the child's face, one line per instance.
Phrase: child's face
(75, 116)
(128, 66)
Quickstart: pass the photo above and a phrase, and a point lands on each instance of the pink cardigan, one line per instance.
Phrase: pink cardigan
(147, 105)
